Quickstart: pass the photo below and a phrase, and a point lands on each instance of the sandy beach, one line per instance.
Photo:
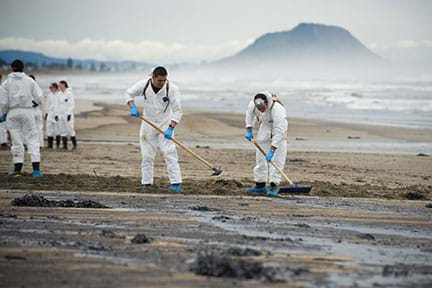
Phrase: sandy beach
(109, 147)
(366, 212)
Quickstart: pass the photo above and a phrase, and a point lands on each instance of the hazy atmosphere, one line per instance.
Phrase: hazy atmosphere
(216, 143)
(128, 30)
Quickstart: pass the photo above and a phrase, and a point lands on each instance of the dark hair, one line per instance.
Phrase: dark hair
(17, 66)
(55, 85)
(64, 83)
(32, 76)
(261, 96)
(159, 71)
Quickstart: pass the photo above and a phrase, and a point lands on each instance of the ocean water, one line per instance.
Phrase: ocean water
(401, 102)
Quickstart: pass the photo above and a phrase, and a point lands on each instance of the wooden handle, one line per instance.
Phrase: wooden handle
(177, 142)
(274, 165)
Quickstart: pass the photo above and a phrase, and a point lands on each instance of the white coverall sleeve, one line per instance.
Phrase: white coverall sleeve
(71, 102)
(37, 94)
(4, 101)
(135, 90)
(280, 125)
(177, 111)
(250, 115)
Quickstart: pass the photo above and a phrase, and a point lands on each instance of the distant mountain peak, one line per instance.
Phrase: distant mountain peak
(306, 42)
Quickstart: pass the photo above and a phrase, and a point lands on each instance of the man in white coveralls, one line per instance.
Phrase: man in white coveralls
(161, 106)
(272, 136)
(37, 109)
(50, 116)
(18, 94)
(65, 114)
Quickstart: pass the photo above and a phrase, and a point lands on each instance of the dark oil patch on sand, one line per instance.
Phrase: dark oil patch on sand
(31, 200)
(211, 186)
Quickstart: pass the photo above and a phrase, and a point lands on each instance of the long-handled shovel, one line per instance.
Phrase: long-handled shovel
(294, 188)
(216, 169)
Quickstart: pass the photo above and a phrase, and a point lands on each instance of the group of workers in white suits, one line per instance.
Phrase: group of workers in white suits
(21, 101)
(21, 116)
(161, 100)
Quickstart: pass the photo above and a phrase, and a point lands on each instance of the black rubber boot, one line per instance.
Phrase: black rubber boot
(36, 169)
(17, 169)
(36, 165)
(260, 187)
(58, 141)
(50, 142)
(64, 140)
(74, 142)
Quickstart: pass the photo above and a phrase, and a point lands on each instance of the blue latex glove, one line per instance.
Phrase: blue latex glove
(169, 132)
(3, 118)
(270, 155)
(134, 110)
(249, 134)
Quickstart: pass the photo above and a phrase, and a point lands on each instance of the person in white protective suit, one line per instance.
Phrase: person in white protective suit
(3, 136)
(65, 114)
(20, 91)
(50, 116)
(37, 109)
(3, 129)
(161, 106)
(272, 136)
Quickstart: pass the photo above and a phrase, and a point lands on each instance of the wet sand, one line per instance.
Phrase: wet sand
(300, 241)
(331, 238)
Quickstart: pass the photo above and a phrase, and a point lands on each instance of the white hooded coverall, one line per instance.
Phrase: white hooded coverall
(3, 128)
(160, 111)
(272, 132)
(3, 133)
(20, 90)
(39, 119)
(51, 110)
(66, 105)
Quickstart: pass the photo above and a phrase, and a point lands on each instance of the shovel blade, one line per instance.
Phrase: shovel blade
(295, 189)
(217, 170)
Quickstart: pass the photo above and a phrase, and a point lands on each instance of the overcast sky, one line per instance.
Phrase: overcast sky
(194, 30)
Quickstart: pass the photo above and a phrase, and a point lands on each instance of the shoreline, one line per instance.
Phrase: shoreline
(111, 151)
(111, 124)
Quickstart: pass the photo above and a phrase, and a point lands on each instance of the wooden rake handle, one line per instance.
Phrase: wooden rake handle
(177, 142)
(260, 148)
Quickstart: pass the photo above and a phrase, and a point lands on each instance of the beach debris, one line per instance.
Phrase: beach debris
(222, 218)
(140, 238)
(211, 264)
(428, 205)
(422, 155)
(300, 139)
(414, 195)
(302, 225)
(203, 208)
(366, 236)
(32, 200)
(296, 160)
(202, 147)
(398, 270)
(108, 234)
(353, 137)
(14, 257)
(225, 183)
(240, 252)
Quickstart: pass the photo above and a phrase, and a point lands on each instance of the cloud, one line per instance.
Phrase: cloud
(118, 50)
(403, 44)
(407, 51)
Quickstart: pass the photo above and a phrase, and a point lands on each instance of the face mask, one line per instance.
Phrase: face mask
(260, 103)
